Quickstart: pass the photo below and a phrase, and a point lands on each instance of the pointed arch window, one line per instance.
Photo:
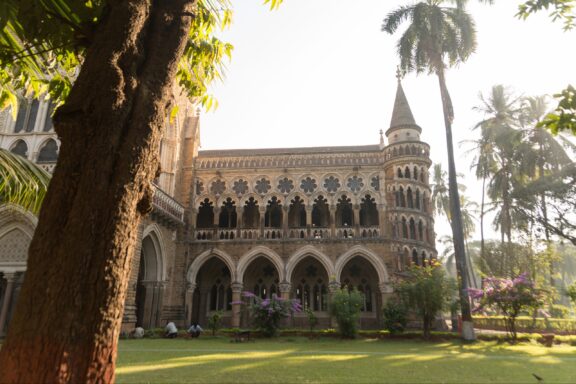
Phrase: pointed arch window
(417, 199)
(273, 218)
(415, 257)
(402, 197)
(320, 212)
(404, 228)
(205, 218)
(368, 212)
(410, 198)
(420, 230)
(251, 214)
(344, 212)
(412, 229)
(228, 217)
(297, 213)
(407, 172)
(415, 173)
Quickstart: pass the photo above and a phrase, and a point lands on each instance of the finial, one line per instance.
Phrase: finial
(398, 73)
(381, 139)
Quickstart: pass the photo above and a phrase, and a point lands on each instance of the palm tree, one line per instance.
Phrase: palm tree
(21, 181)
(497, 149)
(437, 38)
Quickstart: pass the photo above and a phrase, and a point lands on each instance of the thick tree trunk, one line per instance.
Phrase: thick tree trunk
(67, 320)
(482, 245)
(456, 223)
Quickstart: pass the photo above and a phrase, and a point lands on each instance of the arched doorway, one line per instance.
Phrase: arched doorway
(359, 273)
(261, 277)
(213, 292)
(310, 285)
(149, 286)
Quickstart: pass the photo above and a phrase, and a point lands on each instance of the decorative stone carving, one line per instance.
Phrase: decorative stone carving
(375, 183)
(332, 184)
(240, 187)
(308, 185)
(263, 186)
(285, 185)
(218, 187)
(14, 246)
(199, 187)
(355, 183)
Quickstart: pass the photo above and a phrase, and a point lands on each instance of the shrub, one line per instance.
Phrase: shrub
(510, 297)
(312, 319)
(267, 313)
(559, 311)
(426, 290)
(215, 321)
(571, 292)
(395, 317)
(345, 307)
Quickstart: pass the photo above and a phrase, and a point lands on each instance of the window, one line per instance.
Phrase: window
(26, 117)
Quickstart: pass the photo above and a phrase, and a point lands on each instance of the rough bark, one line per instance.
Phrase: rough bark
(456, 223)
(67, 320)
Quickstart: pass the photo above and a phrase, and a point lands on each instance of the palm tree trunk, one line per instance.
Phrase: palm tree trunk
(67, 320)
(457, 227)
(482, 249)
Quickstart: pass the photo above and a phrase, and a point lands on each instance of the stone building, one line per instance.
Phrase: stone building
(295, 222)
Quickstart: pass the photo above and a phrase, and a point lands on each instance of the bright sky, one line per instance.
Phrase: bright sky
(321, 73)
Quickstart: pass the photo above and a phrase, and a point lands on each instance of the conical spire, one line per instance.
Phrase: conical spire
(401, 115)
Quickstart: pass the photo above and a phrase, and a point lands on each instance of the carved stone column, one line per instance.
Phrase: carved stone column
(356, 210)
(383, 221)
(285, 210)
(189, 301)
(239, 221)
(216, 222)
(285, 287)
(10, 280)
(332, 221)
(236, 288)
(309, 209)
(262, 211)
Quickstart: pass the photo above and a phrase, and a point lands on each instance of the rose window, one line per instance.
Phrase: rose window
(218, 187)
(332, 184)
(355, 183)
(263, 186)
(240, 187)
(285, 185)
(308, 185)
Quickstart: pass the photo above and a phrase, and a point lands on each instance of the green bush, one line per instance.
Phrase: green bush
(395, 317)
(345, 307)
(527, 323)
(571, 292)
(312, 319)
(559, 311)
(215, 321)
(426, 290)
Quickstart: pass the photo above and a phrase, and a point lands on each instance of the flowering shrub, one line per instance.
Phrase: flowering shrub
(509, 296)
(395, 317)
(426, 290)
(267, 313)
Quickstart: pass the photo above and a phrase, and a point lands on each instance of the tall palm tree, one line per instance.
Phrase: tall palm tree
(21, 181)
(439, 37)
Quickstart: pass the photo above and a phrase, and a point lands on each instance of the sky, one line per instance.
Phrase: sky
(321, 73)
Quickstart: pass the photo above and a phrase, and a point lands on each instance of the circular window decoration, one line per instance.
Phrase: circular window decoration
(263, 186)
(240, 187)
(308, 185)
(218, 187)
(285, 185)
(355, 183)
(332, 184)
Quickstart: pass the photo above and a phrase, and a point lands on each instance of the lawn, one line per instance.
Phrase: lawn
(298, 360)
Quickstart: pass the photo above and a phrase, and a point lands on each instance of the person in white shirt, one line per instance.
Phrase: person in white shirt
(171, 330)
(195, 330)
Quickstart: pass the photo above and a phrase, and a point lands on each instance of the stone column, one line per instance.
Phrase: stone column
(193, 217)
(285, 210)
(216, 222)
(332, 221)
(309, 221)
(333, 286)
(159, 288)
(10, 280)
(189, 301)
(236, 303)
(285, 287)
(239, 225)
(262, 211)
(356, 210)
(383, 221)
(386, 292)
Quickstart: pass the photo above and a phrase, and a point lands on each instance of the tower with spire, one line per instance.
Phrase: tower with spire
(406, 169)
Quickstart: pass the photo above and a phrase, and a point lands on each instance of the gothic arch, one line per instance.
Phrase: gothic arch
(304, 252)
(253, 254)
(16, 227)
(359, 250)
(154, 233)
(205, 256)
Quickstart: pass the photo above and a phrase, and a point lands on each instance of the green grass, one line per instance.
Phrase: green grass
(298, 360)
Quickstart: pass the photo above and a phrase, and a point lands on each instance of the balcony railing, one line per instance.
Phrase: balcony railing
(166, 207)
(316, 233)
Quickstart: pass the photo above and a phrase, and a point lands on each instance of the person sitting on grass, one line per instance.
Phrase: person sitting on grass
(195, 330)
(171, 331)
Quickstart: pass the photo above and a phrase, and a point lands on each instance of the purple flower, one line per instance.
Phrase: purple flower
(248, 294)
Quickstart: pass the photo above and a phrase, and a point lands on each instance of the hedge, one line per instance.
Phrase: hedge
(527, 324)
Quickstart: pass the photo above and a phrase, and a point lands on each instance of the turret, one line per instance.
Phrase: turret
(403, 127)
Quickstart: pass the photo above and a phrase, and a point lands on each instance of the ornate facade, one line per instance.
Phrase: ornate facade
(295, 222)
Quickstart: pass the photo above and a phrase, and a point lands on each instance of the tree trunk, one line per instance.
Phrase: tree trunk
(67, 321)
(456, 223)
(482, 249)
